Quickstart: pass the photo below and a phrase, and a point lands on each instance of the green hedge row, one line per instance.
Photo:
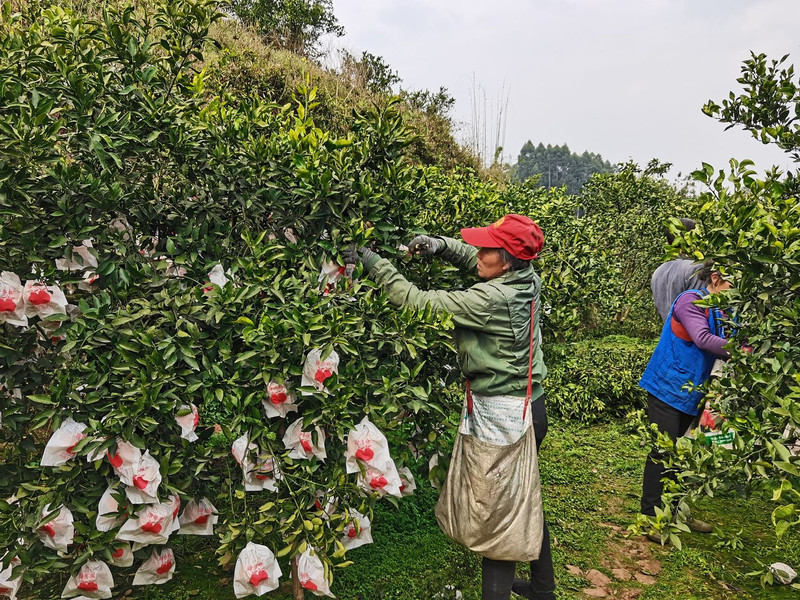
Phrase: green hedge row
(594, 379)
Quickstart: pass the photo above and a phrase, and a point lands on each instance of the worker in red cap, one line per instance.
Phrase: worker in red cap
(498, 340)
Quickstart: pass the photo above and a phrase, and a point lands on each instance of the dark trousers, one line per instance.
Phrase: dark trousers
(675, 423)
(498, 575)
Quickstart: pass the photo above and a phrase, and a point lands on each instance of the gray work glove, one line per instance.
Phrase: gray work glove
(363, 255)
(425, 245)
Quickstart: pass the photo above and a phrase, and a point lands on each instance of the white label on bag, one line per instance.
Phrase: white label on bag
(496, 419)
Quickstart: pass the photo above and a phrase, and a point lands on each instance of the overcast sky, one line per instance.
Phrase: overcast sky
(622, 78)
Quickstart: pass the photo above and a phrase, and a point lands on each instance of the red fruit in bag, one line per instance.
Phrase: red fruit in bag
(140, 482)
(88, 586)
(7, 305)
(278, 397)
(114, 459)
(306, 445)
(48, 529)
(257, 577)
(322, 374)
(39, 296)
(309, 585)
(365, 454)
(118, 553)
(378, 482)
(202, 519)
(351, 533)
(165, 567)
(152, 527)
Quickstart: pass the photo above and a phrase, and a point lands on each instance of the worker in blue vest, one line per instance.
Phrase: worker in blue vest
(691, 340)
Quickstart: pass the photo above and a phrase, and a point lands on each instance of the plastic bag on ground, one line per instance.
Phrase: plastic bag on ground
(188, 418)
(8, 586)
(146, 479)
(121, 555)
(279, 400)
(316, 370)
(57, 533)
(783, 573)
(12, 303)
(358, 532)
(257, 572)
(312, 574)
(43, 300)
(157, 569)
(407, 483)
(151, 525)
(94, 580)
(60, 446)
(373, 480)
(108, 511)
(198, 518)
(301, 443)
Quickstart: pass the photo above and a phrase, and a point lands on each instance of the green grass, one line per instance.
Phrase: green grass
(591, 477)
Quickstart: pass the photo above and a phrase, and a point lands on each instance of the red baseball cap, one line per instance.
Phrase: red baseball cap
(516, 233)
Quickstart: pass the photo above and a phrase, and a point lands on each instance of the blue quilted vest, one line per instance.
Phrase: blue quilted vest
(677, 361)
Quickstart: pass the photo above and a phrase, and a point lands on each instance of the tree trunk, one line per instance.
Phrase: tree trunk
(297, 589)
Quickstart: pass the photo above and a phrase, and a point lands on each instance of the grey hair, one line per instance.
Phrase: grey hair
(514, 263)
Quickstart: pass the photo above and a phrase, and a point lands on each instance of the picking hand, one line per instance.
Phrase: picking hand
(425, 245)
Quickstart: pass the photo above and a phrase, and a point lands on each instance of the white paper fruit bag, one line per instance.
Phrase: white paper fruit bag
(259, 470)
(188, 418)
(146, 479)
(257, 572)
(279, 400)
(108, 511)
(301, 443)
(94, 580)
(57, 533)
(358, 532)
(312, 574)
(60, 447)
(198, 518)
(125, 460)
(368, 446)
(43, 300)
(373, 480)
(81, 259)
(407, 483)
(8, 586)
(121, 555)
(151, 525)
(316, 370)
(12, 304)
(157, 569)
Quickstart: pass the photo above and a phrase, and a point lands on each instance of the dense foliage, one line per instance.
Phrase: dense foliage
(556, 166)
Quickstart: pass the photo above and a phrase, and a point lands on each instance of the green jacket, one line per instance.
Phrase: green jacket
(492, 321)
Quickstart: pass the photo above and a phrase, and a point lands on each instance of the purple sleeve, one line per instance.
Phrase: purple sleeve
(695, 321)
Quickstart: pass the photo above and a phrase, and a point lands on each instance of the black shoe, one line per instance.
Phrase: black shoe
(522, 587)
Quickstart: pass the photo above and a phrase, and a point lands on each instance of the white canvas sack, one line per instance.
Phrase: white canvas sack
(198, 518)
(358, 532)
(59, 532)
(301, 443)
(60, 447)
(94, 580)
(157, 569)
(279, 401)
(312, 574)
(257, 572)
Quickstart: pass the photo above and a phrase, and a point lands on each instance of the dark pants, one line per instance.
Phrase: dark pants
(498, 575)
(675, 423)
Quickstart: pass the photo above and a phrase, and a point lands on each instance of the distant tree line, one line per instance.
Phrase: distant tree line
(556, 166)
